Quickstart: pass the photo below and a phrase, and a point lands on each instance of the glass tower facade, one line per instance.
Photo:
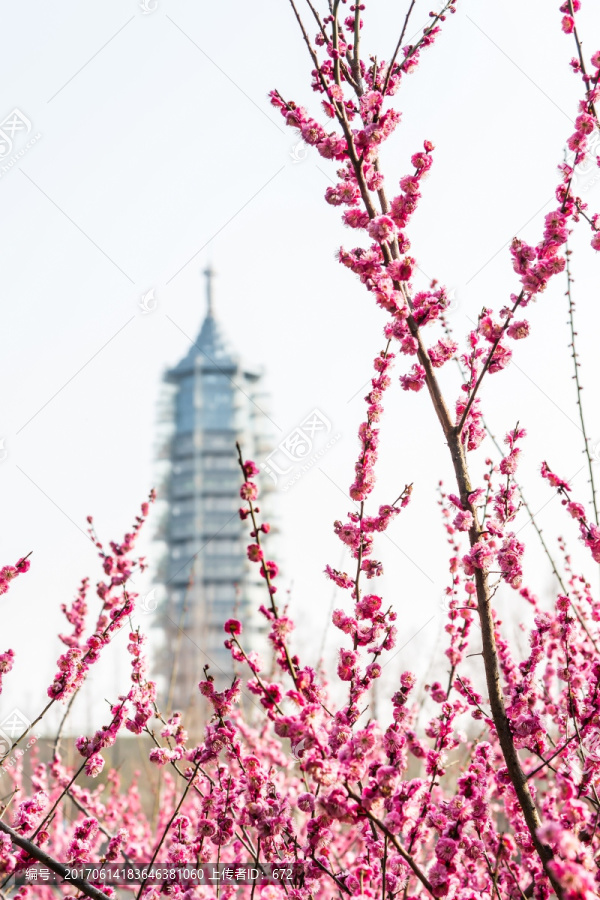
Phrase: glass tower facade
(217, 400)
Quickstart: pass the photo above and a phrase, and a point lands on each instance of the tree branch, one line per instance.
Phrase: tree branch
(41, 856)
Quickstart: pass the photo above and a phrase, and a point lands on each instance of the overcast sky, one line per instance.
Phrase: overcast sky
(152, 150)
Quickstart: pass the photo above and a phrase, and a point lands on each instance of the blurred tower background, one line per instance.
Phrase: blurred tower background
(216, 399)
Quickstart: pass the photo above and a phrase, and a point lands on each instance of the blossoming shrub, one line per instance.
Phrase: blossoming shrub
(322, 788)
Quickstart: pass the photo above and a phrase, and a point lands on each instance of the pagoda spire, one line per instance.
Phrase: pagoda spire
(209, 273)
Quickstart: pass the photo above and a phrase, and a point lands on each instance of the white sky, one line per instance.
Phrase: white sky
(159, 152)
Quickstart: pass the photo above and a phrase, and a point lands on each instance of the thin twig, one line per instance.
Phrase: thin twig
(577, 365)
(168, 826)
(486, 364)
(398, 45)
(392, 837)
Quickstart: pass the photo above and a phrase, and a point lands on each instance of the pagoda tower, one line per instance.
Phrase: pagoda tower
(216, 400)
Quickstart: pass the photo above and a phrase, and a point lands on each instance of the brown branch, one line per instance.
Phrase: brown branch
(41, 856)
(392, 837)
(457, 451)
(54, 806)
(265, 571)
(340, 114)
(486, 365)
(538, 530)
(356, 50)
(586, 77)
(397, 50)
(167, 827)
(63, 722)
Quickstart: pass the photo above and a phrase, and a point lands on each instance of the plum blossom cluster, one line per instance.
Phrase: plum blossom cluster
(357, 97)
(368, 432)
(479, 787)
(499, 503)
(117, 604)
(6, 663)
(139, 701)
(589, 531)
(8, 573)
(355, 778)
(586, 123)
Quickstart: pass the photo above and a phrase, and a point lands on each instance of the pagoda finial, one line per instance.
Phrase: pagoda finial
(209, 274)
